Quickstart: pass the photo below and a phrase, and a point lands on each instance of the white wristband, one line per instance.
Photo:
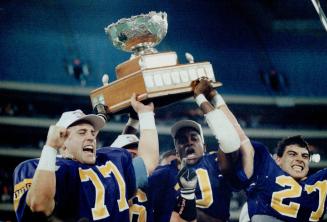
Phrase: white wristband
(199, 99)
(218, 100)
(188, 194)
(223, 130)
(147, 120)
(48, 159)
(133, 123)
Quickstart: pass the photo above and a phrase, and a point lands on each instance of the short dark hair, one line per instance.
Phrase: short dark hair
(293, 140)
(168, 153)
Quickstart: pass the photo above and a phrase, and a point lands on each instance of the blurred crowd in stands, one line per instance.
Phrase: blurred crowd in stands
(256, 116)
(6, 187)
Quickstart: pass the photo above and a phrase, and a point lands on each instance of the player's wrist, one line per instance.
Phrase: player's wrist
(188, 193)
(199, 99)
(147, 120)
(47, 159)
(186, 208)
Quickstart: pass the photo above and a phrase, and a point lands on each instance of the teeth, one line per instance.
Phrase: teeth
(297, 168)
(88, 148)
(191, 155)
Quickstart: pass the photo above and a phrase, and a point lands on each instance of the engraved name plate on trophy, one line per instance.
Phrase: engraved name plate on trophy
(153, 76)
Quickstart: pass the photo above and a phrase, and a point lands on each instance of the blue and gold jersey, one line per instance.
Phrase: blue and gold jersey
(213, 193)
(271, 191)
(140, 209)
(94, 192)
(163, 191)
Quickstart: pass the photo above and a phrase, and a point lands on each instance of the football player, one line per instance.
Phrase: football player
(213, 193)
(92, 184)
(141, 209)
(277, 189)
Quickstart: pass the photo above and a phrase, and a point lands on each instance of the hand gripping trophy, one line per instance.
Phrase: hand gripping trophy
(153, 76)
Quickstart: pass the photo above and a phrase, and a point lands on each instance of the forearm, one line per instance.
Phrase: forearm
(220, 125)
(246, 147)
(247, 152)
(148, 148)
(40, 197)
(225, 127)
(235, 123)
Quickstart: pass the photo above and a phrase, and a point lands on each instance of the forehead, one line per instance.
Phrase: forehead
(296, 148)
(186, 131)
(83, 125)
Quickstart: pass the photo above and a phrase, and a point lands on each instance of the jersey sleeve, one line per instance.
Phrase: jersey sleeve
(23, 175)
(262, 159)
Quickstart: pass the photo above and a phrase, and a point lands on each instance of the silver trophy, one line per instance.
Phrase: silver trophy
(152, 75)
(139, 34)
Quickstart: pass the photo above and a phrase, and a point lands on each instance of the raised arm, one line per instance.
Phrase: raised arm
(246, 147)
(148, 148)
(40, 197)
(224, 126)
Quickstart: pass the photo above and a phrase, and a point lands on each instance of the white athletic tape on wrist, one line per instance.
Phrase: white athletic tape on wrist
(223, 130)
(133, 123)
(218, 100)
(47, 159)
(147, 120)
(199, 99)
(188, 194)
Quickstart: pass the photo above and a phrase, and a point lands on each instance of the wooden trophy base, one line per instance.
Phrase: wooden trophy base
(161, 85)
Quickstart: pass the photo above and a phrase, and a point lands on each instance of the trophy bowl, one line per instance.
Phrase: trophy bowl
(139, 34)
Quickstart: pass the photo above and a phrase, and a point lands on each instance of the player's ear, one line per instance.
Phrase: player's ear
(277, 160)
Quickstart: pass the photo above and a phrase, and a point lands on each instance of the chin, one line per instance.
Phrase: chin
(90, 161)
(298, 176)
(192, 161)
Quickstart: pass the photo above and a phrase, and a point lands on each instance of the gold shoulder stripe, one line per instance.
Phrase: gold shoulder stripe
(19, 190)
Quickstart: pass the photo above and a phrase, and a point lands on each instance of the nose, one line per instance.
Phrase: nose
(299, 159)
(188, 141)
(90, 136)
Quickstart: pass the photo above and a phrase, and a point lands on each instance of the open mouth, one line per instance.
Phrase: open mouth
(190, 153)
(88, 149)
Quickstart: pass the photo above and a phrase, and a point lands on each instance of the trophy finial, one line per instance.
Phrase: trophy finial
(105, 79)
(189, 57)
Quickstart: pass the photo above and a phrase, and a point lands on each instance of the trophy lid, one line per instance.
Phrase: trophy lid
(139, 34)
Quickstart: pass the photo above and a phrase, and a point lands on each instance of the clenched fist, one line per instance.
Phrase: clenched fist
(203, 86)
